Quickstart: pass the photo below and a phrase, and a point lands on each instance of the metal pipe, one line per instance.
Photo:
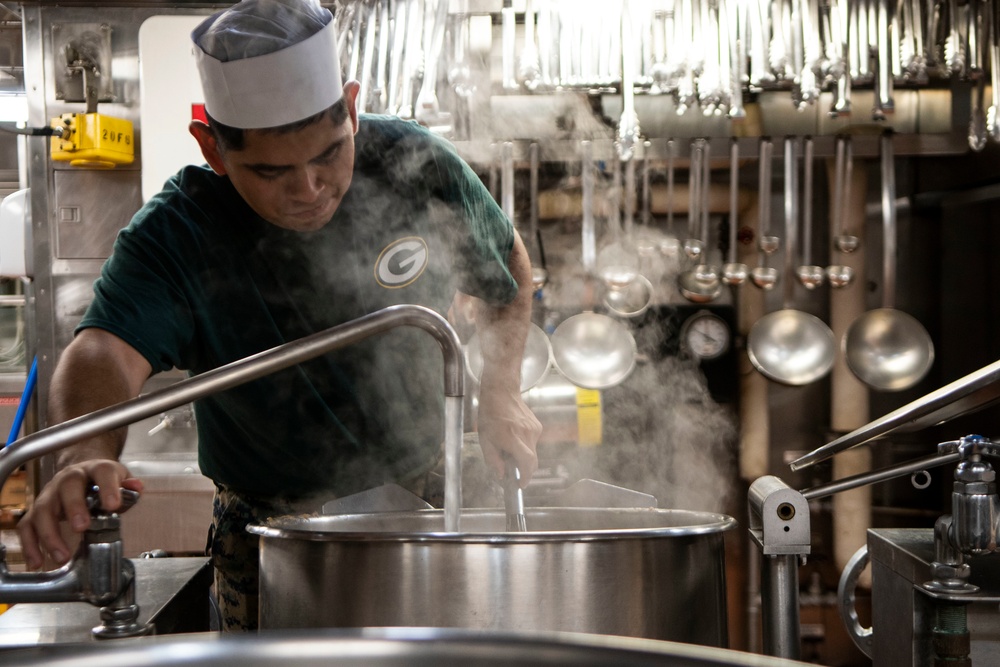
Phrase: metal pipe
(865, 478)
(12, 300)
(256, 366)
(780, 611)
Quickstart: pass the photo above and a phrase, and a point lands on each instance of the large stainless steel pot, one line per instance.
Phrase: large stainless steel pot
(651, 573)
(389, 647)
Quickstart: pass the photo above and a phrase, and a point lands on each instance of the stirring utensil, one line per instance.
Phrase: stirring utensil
(789, 345)
(843, 239)
(530, 71)
(840, 275)
(629, 293)
(428, 110)
(591, 350)
(670, 246)
(513, 497)
(700, 283)
(762, 275)
(733, 272)
(809, 275)
(888, 349)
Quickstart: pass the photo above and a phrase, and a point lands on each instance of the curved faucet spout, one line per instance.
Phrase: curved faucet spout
(65, 582)
(238, 372)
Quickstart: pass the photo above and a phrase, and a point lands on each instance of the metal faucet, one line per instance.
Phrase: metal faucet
(97, 573)
(971, 529)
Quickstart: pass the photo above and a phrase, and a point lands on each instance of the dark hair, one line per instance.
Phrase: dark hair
(234, 138)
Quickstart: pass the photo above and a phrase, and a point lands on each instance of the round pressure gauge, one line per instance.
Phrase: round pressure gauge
(706, 335)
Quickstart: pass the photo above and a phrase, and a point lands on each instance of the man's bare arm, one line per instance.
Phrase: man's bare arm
(96, 370)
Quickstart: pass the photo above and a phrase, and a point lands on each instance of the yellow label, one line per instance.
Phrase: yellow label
(3, 608)
(588, 417)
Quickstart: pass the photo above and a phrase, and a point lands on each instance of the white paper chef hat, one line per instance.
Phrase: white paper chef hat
(267, 63)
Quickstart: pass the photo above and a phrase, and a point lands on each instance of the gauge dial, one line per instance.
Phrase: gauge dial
(705, 335)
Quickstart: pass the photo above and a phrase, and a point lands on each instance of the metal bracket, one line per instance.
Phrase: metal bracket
(779, 518)
(83, 63)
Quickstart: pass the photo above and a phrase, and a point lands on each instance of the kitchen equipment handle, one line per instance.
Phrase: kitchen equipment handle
(860, 635)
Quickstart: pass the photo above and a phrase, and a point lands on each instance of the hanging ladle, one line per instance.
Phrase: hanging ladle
(537, 358)
(810, 275)
(733, 272)
(700, 283)
(841, 275)
(632, 298)
(762, 275)
(670, 245)
(888, 349)
(788, 345)
(591, 350)
(843, 239)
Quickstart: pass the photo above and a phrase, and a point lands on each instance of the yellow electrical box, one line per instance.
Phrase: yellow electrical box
(93, 140)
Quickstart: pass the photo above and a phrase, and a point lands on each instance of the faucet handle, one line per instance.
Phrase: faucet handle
(128, 496)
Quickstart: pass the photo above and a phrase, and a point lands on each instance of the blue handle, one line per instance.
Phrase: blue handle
(22, 407)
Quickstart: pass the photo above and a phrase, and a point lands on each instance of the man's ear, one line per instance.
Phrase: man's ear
(351, 89)
(209, 146)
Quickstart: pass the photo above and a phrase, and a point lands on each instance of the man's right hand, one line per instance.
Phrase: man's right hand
(64, 498)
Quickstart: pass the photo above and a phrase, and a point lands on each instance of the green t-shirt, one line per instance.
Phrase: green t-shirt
(198, 280)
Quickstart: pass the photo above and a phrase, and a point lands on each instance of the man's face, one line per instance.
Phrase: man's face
(295, 180)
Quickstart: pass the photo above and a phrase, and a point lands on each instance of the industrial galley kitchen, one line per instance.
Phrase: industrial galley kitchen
(535, 332)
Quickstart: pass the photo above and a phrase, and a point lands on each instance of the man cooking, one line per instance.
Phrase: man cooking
(307, 216)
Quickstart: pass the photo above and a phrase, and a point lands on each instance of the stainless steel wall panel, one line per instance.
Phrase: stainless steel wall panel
(89, 208)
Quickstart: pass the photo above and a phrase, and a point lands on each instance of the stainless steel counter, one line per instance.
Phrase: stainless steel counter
(172, 594)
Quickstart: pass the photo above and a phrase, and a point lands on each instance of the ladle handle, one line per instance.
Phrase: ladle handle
(734, 192)
(706, 166)
(694, 187)
(533, 160)
(807, 178)
(764, 190)
(838, 186)
(791, 215)
(507, 180)
(888, 221)
(589, 240)
(670, 185)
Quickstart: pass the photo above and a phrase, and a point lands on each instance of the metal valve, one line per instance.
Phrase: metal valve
(975, 505)
(181, 418)
(98, 574)
(128, 496)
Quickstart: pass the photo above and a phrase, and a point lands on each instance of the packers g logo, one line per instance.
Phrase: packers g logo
(401, 262)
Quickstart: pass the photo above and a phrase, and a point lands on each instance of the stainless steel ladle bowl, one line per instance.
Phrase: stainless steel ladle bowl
(632, 300)
(593, 351)
(534, 365)
(791, 346)
(700, 284)
(888, 349)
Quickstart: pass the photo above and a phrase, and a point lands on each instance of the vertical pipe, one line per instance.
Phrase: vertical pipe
(780, 610)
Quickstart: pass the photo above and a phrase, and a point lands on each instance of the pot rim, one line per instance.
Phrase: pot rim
(708, 523)
(348, 645)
